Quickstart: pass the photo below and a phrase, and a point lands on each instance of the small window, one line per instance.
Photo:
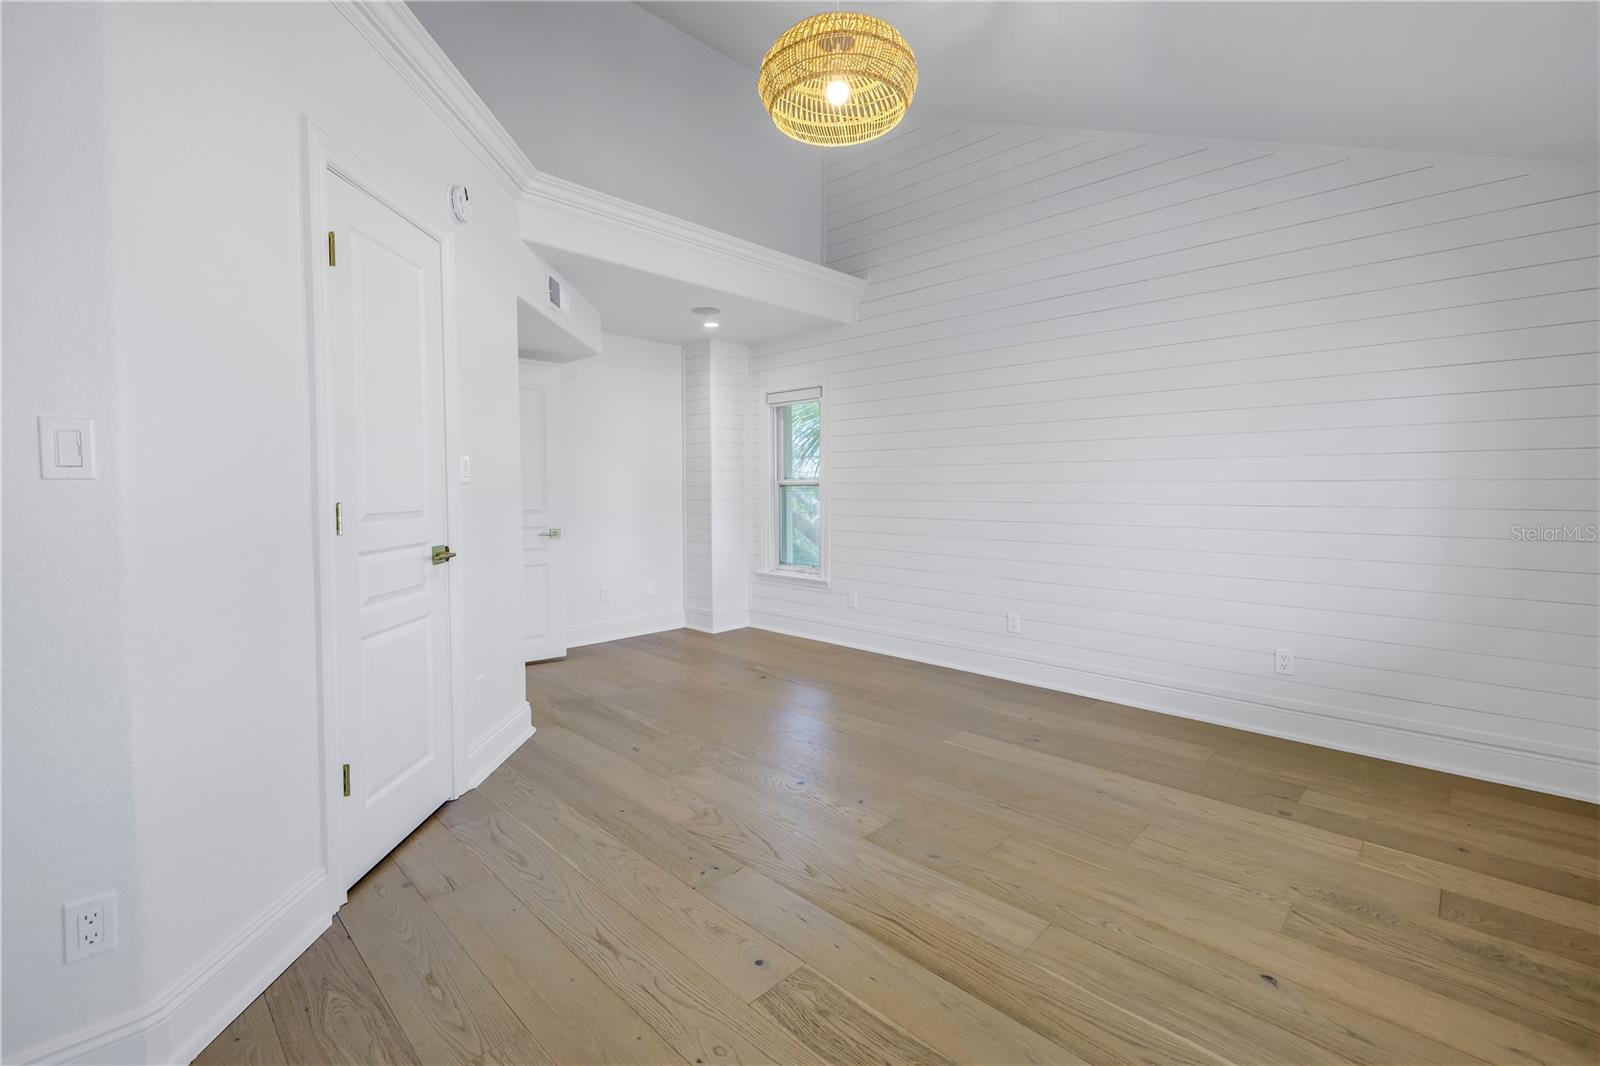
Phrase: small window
(797, 425)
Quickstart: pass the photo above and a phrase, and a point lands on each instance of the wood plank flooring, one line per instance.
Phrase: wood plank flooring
(754, 848)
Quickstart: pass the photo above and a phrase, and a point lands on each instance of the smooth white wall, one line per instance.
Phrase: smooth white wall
(161, 720)
(621, 485)
(69, 822)
(609, 96)
(1180, 404)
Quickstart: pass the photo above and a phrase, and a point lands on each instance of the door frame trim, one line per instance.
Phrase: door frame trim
(322, 155)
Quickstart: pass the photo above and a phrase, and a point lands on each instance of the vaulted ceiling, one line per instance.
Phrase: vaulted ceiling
(1504, 79)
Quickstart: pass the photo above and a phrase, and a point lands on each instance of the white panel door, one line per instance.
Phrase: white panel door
(391, 624)
(544, 614)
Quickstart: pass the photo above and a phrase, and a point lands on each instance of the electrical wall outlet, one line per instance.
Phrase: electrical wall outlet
(605, 593)
(855, 599)
(478, 688)
(650, 587)
(1014, 623)
(1283, 662)
(90, 926)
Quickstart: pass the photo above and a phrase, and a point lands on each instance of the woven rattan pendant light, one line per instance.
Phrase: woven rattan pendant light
(838, 78)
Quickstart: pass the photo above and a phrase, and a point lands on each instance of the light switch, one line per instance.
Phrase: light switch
(69, 448)
(66, 447)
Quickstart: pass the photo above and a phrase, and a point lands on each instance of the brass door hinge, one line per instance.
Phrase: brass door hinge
(332, 258)
(347, 779)
(338, 519)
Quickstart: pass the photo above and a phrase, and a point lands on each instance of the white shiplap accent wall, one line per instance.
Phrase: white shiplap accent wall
(716, 391)
(1179, 404)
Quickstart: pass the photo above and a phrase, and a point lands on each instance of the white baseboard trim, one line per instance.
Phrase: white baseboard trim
(177, 1026)
(1540, 767)
(495, 747)
(720, 622)
(636, 625)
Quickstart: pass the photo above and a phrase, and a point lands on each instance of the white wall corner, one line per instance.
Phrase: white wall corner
(717, 484)
(725, 621)
(485, 754)
(716, 622)
(179, 1024)
(554, 333)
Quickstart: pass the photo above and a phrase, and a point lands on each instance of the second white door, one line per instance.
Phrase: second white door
(544, 616)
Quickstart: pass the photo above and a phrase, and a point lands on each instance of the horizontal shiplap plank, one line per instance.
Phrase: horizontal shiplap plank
(1505, 552)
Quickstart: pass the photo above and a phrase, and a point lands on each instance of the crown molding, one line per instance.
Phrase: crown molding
(396, 34)
(547, 193)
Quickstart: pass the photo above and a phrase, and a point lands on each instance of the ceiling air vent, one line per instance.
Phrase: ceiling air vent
(555, 291)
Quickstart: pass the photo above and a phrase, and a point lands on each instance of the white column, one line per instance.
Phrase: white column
(716, 478)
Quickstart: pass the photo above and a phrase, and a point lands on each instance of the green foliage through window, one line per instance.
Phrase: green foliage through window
(800, 430)
(799, 491)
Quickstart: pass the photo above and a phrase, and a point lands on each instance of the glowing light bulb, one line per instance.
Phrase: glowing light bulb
(837, 92)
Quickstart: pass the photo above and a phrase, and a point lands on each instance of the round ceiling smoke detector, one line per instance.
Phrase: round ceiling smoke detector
(704, 311)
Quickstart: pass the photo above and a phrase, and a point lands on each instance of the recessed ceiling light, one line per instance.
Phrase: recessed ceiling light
(704, 311)
(711, 325)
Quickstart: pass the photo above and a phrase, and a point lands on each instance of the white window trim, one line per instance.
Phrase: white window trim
(771, 571)
(791, 576)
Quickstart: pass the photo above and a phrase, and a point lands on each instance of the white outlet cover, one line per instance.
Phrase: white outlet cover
(1283, 661)
(89, 926)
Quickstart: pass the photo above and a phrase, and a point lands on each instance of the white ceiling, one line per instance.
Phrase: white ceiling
(1502, 79)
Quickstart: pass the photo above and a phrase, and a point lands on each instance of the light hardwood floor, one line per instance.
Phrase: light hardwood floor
(752, 848)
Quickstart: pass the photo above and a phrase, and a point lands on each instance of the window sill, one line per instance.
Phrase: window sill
(793, 577)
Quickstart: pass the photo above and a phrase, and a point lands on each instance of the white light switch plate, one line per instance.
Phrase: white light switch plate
(66, 448)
